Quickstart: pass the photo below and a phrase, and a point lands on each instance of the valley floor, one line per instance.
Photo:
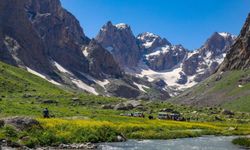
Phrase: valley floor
(80, 118)
(108, 126)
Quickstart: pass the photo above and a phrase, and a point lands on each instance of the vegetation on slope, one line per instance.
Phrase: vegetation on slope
(229, 89)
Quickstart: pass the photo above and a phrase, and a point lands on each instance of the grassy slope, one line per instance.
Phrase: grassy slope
(224, 92)
(83, 120)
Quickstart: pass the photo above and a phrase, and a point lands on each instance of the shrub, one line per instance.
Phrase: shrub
(242, 141)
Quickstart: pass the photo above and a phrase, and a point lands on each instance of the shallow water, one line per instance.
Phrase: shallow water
(200, 143)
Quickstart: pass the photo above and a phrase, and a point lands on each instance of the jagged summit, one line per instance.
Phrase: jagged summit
(150, 41)
(121, 42)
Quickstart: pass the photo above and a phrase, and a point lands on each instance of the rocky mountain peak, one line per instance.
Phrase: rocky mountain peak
(218, 43)
(239, 54)
(150, 41)
(121, 42)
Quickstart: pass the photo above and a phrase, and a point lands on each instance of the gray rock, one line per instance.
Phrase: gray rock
(123, 106)
(22, 123)
(50, 102)
(77, 146)
(121, 138)
(1, 123)
(108, 106)
(134, 103)
(227, 112)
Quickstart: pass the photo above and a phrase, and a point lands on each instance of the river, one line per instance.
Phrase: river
(199, 143)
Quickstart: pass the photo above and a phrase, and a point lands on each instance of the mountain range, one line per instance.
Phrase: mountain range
(229, 86)
(48, 41)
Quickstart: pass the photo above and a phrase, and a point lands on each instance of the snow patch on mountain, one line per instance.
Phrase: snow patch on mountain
(85, 52)
(80, 83)
(169, 76)
(141, 87)
(109, 48)
(148, 39)
(84, 86)
(159, 51)
(61, 68)
(122, 26)
(41, 76)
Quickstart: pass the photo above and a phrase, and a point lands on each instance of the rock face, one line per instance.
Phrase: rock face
(102, 63)
(38, 32)
(60, 32)
(20, 44)
(165, 58)
(239, 55)
(158, 53)
(149, 42)
(121, 42)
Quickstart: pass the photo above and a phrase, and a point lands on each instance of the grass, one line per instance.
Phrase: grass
(242, 141)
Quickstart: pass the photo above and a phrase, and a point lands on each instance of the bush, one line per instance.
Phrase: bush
(242, 141)
(10, 132)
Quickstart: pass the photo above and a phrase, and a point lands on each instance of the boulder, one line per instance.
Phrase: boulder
(123, 106)
(108, 106)
(121, 138)
(134, 103)
(227, 112)
(22, 123)
(50, 102)
(77, 146)
(1, 123)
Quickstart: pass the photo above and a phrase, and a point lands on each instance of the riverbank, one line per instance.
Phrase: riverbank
(242, 141)
(56, 131)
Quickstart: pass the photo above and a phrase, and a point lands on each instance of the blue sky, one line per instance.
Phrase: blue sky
(186, 22)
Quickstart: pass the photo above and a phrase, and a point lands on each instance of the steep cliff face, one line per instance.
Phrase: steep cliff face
(239, 55)
(19, 41)
(165, 57)
(102, 63)
(121, 42)
(60, 32)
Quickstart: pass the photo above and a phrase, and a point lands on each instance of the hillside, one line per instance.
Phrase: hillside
(230, 89)
(22, 93)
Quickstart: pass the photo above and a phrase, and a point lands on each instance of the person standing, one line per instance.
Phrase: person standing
(46, 113)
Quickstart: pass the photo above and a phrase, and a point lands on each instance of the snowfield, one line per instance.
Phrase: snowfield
(169, 76)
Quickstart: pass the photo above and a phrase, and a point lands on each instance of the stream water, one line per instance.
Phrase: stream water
(200, 143)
